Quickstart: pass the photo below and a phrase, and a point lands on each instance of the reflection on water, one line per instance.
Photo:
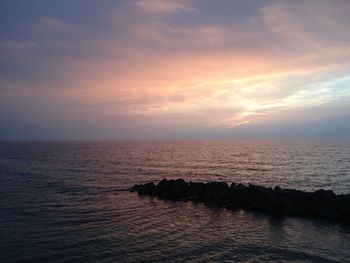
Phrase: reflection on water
(63, 202)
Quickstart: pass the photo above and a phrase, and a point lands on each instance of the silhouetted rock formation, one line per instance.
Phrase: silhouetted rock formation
(321, 203)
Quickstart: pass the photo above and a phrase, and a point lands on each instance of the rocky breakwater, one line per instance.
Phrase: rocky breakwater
(289, 202)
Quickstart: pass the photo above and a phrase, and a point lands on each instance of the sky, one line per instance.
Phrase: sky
(154, 69)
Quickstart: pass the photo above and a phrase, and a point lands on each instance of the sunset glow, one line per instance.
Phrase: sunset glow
(134, 69)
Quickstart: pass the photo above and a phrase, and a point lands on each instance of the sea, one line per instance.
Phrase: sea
(68, 201)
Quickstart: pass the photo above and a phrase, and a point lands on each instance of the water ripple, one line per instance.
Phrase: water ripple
(67, 202)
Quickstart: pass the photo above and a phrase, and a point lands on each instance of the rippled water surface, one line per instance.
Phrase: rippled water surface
(66, 202)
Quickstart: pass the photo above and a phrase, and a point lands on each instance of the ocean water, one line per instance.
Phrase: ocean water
(67, 202)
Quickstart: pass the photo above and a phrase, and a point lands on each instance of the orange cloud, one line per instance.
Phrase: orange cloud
(215, 74)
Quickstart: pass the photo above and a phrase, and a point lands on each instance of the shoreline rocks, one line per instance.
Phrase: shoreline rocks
(286, 202)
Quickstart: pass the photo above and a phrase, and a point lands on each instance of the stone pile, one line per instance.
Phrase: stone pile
(321, 203)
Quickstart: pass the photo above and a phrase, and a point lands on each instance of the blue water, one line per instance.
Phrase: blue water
(66, 202)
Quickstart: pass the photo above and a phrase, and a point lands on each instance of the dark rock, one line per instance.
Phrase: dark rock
(195, 190)
(325, 194)
(321, 203)
(277, 188)
(134, 188)
(163, 187)
(172, 188)
(327, 212)
(216, 190)
(147, 189)
(257, 188)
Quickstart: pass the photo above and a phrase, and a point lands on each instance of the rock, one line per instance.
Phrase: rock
(257, 188)
(321, 203)
(327, 212)
(195, 190)
(134, 188)
(343, 205)
(216, 190)
(163, 187)
(172, 188)
(147, 189)
(325, 194)
(180, 188)
(277, 188)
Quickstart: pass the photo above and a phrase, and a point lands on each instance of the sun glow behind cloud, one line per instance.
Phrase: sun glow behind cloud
(178, 63)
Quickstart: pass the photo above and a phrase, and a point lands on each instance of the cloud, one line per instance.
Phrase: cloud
(163, 6)
(204, 36)
(162, 70)
(45, 23)
(13, 45)
(307, 26)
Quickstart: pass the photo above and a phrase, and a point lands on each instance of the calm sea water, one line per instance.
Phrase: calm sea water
(66, 202)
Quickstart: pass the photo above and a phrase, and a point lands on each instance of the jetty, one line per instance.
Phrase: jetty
(285, 202)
